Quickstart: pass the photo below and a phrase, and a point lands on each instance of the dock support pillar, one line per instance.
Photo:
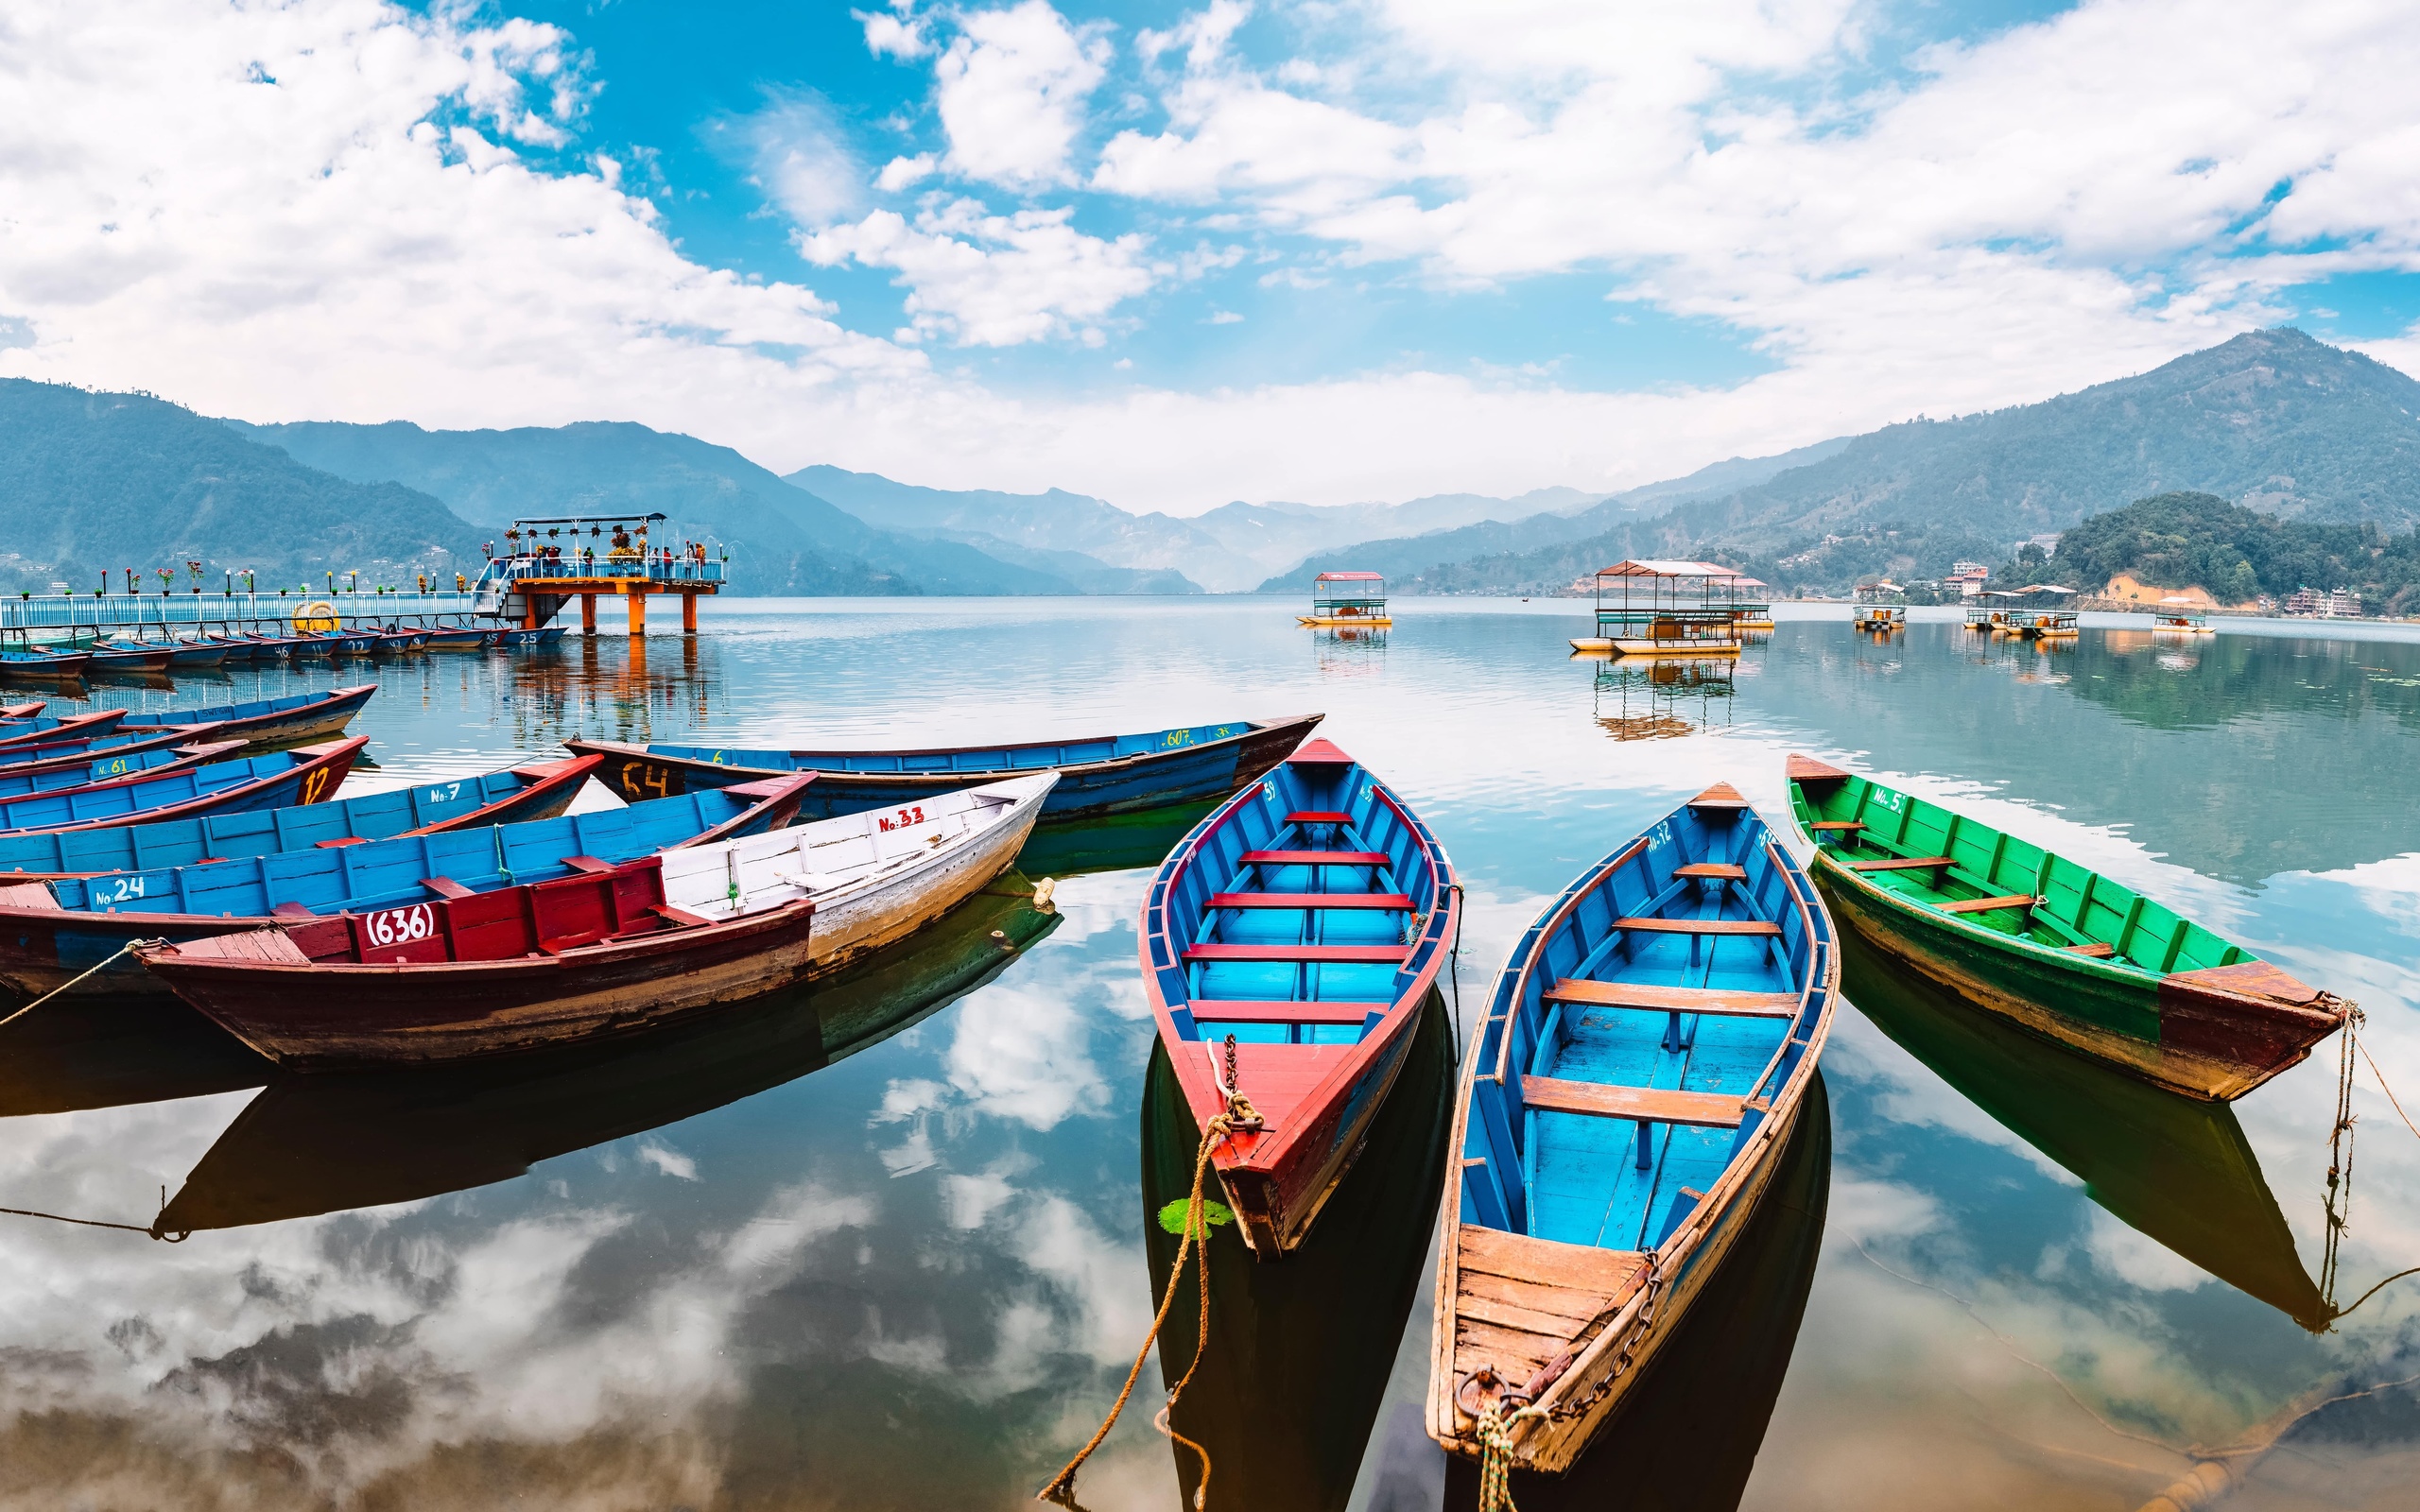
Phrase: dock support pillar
(638, 610)
(688, 613)
(588, 614)
(529, 611)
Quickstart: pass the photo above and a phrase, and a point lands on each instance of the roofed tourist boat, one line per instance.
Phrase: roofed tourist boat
(1287, 944)
(459, 973)
(2051, 945)
(1097, 774)
(1664, 607)
(1644, 1060)
(1350, 599)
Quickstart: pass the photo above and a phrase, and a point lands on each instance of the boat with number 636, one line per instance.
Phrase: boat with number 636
(1645, 1057)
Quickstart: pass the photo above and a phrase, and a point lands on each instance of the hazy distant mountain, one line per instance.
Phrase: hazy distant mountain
(1409, 559)
(1086, 539)
(782, 539)
(99, 482)
(2271, 420)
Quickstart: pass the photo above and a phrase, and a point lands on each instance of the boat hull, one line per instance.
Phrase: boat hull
(2179, 1034)
(1375, 622)
(1085, 790)
(1637, 645)
(324, 717)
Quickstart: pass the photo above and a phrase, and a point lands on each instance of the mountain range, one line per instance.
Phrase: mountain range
(2272, 420)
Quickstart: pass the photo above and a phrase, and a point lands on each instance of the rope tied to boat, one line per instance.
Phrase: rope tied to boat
(2338, 1202)
(1238, 1117)
(126, 949)
(1495, 1434)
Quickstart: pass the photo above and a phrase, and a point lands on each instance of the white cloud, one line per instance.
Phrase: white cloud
(992, 281)
(1011, 92)
(899, 173)
(669, 1160)
(1026, 1055)
(798, 152)
(901, 36)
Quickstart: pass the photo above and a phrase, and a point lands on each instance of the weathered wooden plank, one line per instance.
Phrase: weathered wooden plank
(1712, 870)
(2092, 949)
(1700, 926)
(1318, 817)
(1674, 999)
(1546, 1263)
(1837, 824)
(1360, 954)
(1482, 1308)
(1808, 770)
(1988, 906)
(1903, 864)
(1553, 1095)
(1311, 900)
(1548, 1308)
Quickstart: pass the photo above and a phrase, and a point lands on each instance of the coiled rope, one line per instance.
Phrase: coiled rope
(1495, 1434)
(1238, 1117)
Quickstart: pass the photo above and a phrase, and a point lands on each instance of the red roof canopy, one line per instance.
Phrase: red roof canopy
(1353, 577)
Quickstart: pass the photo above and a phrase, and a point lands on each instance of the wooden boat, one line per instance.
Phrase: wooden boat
(610, 950)
(183, 655)
(77, 774)
(1667, 607)
(266, 724)
(2179, 616)
(524, 640)
(460, 638)
(397, 642)
(1098, 775)
(24, 710)
(43, 667)
(1644, 1060)
(1287, 945)
(107, 660)
(83, 751)
(2051, 946)
(40, 728)
(1357, 600)
(302, 776)
(538, 790)
(331, 1141)
(1293, 1371)
(2175, 1170)
(1687, 1440)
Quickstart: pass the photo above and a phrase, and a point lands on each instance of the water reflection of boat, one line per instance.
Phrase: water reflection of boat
(1652, 698)
(1111, 842)
(111, 1054)
(1687, 1437)
(1298, 1355)
(326, 1142)
(2177, 1171)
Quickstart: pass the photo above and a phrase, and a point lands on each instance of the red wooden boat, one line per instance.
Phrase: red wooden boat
(98, 752)
(1287, 944)
(38, 728)
(540, 964)
(552, 786)
(24, 710)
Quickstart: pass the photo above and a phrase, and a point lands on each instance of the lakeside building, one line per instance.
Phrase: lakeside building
(2335, 603)
(1968, 578)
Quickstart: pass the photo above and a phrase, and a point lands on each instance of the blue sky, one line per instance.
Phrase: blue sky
(1176, 253)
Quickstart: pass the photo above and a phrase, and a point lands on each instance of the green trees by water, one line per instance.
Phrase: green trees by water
(2201, 540)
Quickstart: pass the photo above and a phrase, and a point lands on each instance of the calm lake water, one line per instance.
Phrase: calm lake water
(885, 1243)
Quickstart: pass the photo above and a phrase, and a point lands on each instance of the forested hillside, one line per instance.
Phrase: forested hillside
(2201, 540)
(99, 482)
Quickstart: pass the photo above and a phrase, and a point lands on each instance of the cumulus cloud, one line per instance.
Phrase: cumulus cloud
(797, 150)
(1011, 92)
(992, 281)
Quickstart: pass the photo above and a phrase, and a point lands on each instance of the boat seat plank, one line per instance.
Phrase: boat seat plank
(1474, 1303)
(589, 865)
(1987, 905)
(445, 887)
(1835, 824)
(1360, 954)
(1319, 816)
(1238, 1011)
(1675, 999)
(1724, 871)
(671, 914)
(1543, 1264)
(1316, 858)
(1700, 926)
(1654, 1104)
(2092, 949)
(1311, 900)
(1903, 864)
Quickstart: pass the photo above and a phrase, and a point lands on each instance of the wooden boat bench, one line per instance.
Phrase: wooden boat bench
(1339, 955)
(1311, 899)
(1649, 1106)
(1316, 858)
(1647, 998)
(1712, 870)
(1905, 864)
(1237, 1010)
(1988, 906)
(1700, 926)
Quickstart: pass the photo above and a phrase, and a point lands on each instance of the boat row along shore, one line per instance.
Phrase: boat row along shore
(1625, 1111)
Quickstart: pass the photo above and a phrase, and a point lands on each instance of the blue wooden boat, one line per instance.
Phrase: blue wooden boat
(1111, 774)
(302, 776)
(38, 728)
(397, 642)
(183, 655)
(106, 756)
(1624, 1104)
(43, 667)
(539, 790)
(127, 661)
(265, 724)
(460, 638)
(51, 931)
(22, 710)
(83, 773)
(1287, 944)
(524, 640)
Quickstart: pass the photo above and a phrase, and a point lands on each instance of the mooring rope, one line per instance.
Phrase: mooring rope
(2337, 1203)
(37, 1003)
(1238, 1116)
(1495, 1434)
(1454, 963)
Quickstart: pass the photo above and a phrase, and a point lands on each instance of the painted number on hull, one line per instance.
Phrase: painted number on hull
(1660, 837)
(1893, 801)
(122, 890)
(907, 818)
(647, 782)
(400, 926)
(446, 794)
(316, 785)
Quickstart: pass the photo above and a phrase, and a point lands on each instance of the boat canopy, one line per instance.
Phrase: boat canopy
(1665, 568)
(1351, 577)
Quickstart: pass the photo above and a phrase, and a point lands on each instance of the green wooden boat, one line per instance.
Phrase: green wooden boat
(2051, 945)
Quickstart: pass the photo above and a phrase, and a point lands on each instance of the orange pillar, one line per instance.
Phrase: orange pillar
(638, 610)
(688, 613)
(588, 614)
(528, 611)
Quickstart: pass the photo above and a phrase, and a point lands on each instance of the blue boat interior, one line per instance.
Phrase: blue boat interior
(971, 759)
(104, 769)
(1637, 1036)
(95, 746)
(392, 872)
(77, 805)
(222, 712)
(1297, 910)
(255, 832)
